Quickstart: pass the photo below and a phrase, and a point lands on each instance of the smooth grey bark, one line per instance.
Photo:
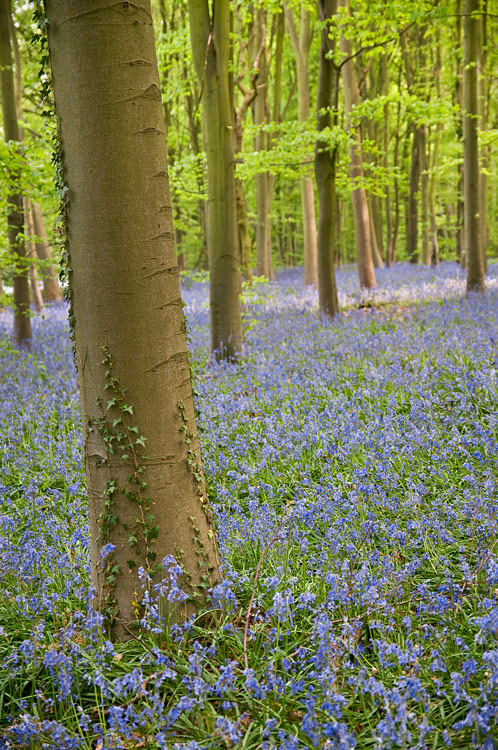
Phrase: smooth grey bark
(210, 35)
(34, 281)
(52, 291)
(472, 202)
(325, 164)
(359, 197)
(15, 214)
(301, 43)
(147, 498)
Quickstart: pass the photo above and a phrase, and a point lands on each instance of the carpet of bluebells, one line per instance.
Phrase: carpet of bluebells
(352, 468)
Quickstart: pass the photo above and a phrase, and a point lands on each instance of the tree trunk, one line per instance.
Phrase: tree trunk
(435, 157)
(375, 229)
(52, 291)
(301, 44)
(458, 94)
(129, 328)
(15, 215)
(472, 205)
(360, 204)
(325, 165)
(261, 118)
(413, 196)
(210, 47)
(483, 124)
(245, 245)
(34, 281)
(424, 197)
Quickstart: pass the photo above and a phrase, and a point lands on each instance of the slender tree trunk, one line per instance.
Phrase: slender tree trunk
(301, 44)
(472, 204)
(52, 291)
(129, 328)
(261, 118)
(389, 223)
(210, 36)
(483, 124)
(375, 229)
(413, 197)
(15, 215)
(424, 197)
(243, 232)
(325, 165)
(435, 158)
(34, 281)
(360, 204)
(458, 96)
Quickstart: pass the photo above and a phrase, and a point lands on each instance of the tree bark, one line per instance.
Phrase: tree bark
(424, 197)
(360, 204)
(472, 204)
(210, 36)
(325, 164)
(261, 118)
(301, 43)
(34, 281)
(458, 95)
(15, 214)
(483, 124)
(52, 291)
(129, 328)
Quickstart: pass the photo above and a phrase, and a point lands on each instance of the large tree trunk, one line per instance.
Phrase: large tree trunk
(301, 43)
(145, 487)
(210, 34)
(359, 197)
(15, 215)
(52, 291)
(472, 204)
(325, 166)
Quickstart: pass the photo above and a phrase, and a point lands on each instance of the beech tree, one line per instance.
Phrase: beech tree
(146, 488)
(15, 213)
(471, 177)
(326, 163)
(301, 41)
(359, 197)
(210, 35)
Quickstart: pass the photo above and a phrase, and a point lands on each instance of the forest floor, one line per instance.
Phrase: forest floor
(354, 461)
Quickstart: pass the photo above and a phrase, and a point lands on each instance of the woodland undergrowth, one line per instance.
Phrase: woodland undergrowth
(352, 469)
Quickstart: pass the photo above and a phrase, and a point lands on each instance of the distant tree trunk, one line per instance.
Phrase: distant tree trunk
(15, 216)
(389, 224)
(424, 197)
(483, 124)
(210, 34)
(52, 291)
(34, 281)
(301, 43)
(375, 83)
(245, 246)
(414, 68)
(129, 326)
(325, 165)
(360, 204)
(261, 118)
(472, 204)
(435, 157)
(458, 97)
(375, 229)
